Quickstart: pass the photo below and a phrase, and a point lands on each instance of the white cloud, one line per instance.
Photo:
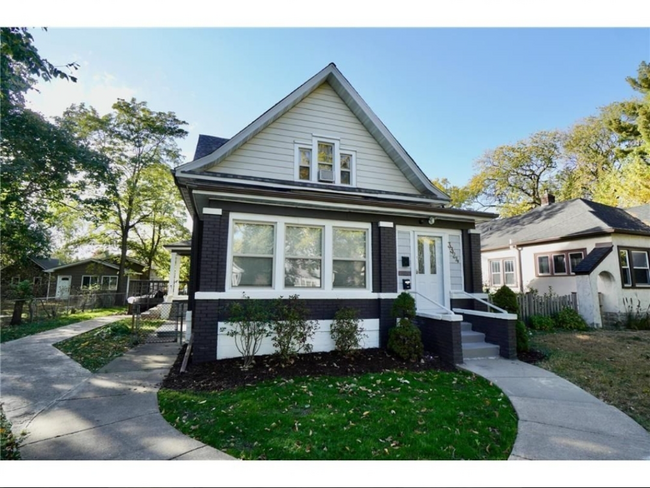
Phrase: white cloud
(100, 91)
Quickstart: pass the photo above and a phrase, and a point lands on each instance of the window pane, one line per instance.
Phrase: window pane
(641, 276)
(345, 177)
(627, 277)
(303, 241)
(574, 259)
(349, 243)
(420, 256)
(432, 256)
(510, 278)
(253, 239)
(305, 157)
(639, 259)
(346, 159)
(559, 263)
(623, 255)
(304, 173)
(252, 271)
(109, 282)
(325, 153)
(509, 266)
(349, 274)
(302, 272)
(543, 265)
(496, 278)
(496, 266)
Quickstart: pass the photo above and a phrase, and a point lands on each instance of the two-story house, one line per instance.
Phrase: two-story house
(317, 198)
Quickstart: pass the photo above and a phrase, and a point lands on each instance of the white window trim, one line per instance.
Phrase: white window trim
(278, 257)
(321, 258)
(86, 287)
(550, 265)
(336, 167)
(570, 266)
(101, 282)
(15, 280)
(630, 263)
(502, 271)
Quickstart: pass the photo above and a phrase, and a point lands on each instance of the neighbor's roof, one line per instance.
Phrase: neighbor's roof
(207, 145)
(104, 262)
(46, 263)
(642, 212)
(330, 74)
(572, 218)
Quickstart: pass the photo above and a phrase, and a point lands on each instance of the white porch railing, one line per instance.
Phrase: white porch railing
(480, 300)
(449, 311)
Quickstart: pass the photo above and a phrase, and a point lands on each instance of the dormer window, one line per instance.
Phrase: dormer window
(323, 161)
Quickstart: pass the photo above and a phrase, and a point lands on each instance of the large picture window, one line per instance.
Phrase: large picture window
(253, 247)
(303, 251)
(349, 264)
(635, 267)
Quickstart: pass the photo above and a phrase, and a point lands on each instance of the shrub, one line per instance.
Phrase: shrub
(634, 317)
(346, 330)
(506, 299)
(291, 329)
(522, 337)
(249, 321)
(404, 306)
(405, 341)
(9, 443)
(569, 319)
(541, 322)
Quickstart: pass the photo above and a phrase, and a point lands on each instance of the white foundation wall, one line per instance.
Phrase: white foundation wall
(321, 342)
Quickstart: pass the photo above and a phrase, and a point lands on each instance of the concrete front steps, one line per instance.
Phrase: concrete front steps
(474, 345)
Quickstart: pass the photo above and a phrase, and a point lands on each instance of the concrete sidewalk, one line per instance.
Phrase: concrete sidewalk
(558, 420)
(71, 413)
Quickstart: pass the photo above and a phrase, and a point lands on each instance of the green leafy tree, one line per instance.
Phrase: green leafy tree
(40, 162)
(135, 139)
(461, 196)
(513, 178)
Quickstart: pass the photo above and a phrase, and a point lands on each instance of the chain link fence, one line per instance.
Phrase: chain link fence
(161, 322)
(39, 309)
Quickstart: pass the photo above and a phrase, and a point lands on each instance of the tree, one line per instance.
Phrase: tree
(513, 178)
(40, 161)
(633, 125)
(134, 139)
(461, 196)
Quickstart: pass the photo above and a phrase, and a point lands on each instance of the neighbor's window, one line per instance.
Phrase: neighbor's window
(109, 282)
(349, 263)
(640, 268)
(495, 269)
(625, 268)
(253, 252)
(574, 260)
(509, 272)
(15, 280)
(88, 281)
(303, 252)
(559, 264)
(543, 265)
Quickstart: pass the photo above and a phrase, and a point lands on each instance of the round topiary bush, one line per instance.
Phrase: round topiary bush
(404, 306)
(405, 341)
(506, 299)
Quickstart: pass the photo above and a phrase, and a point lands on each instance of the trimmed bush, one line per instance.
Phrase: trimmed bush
(405, 341)
(404, 306)
(250, 324)
(506, 299)
(292, 331)
(569, 319)
(541, 322)
(522, 337)
(346, 330)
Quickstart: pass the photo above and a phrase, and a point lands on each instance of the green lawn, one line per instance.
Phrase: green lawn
(391, 415)
(12, 332)
(613, 365)
(96, 348)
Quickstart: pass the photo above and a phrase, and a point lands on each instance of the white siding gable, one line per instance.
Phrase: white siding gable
(271, 152)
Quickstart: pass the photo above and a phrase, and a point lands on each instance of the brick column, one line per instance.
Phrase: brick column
(386, 256)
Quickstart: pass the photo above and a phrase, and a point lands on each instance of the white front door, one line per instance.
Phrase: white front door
(428, 272)
(63, 286)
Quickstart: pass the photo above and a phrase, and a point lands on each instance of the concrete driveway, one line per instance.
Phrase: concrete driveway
(71, 413)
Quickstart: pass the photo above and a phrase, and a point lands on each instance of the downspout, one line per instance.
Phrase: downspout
(521, 273)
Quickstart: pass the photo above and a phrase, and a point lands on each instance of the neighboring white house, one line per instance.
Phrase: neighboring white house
(598, 252)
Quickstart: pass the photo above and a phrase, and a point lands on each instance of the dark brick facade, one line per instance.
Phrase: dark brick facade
(497, 331)
(472, 271)
(205, 323)
(442, 338)
(388, 259)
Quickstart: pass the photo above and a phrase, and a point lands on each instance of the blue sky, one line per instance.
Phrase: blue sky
(447, 94)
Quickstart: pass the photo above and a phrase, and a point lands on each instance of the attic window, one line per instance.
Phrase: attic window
(323, 161)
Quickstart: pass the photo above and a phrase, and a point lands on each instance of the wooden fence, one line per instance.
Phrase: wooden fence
(546, 305)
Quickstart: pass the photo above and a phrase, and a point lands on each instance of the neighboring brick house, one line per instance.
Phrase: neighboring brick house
(598, 252)
(317, 198)
(73, 277)
(35, 271)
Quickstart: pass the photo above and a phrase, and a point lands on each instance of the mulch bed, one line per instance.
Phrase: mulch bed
(531, 357)
(227, 373)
